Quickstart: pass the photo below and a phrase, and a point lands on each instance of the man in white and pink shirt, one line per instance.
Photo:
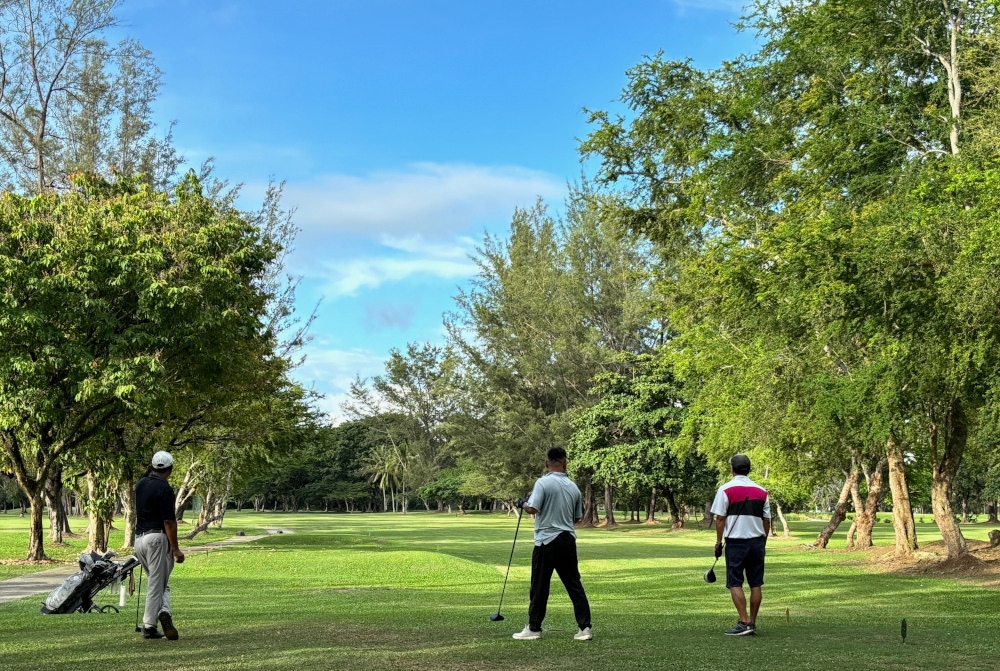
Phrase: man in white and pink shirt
(743, 521)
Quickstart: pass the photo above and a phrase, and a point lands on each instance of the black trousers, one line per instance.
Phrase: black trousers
(558, 555)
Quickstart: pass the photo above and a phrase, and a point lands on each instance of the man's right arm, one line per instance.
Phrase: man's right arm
(536, 500)
(720, 507)
(170, 527)
(170, 524)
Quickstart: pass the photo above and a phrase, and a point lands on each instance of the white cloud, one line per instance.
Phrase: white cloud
(405, 257)
(351, 276)
(332, 370)
(429, 199)
(415, 244)
(419, 218)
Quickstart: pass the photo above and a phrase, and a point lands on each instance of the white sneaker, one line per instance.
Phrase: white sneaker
(527, 634)
(584, 635)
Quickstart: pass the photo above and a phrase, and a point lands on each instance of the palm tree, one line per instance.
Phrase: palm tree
(382, 467)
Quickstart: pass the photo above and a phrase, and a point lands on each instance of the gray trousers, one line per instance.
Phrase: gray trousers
(153, 552)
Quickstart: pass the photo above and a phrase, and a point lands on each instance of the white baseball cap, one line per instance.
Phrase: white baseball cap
(162, 460)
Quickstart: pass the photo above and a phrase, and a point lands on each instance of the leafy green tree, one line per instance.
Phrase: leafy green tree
(411, 408)
(551, 307)
(824, 223)
(628, 439)
(108, 292)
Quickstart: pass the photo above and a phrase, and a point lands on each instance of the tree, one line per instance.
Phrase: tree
(628, 438)
(410, 409)
(71, 103)
(819, 208)
(551, 307)
(383, 466)
(106, 290)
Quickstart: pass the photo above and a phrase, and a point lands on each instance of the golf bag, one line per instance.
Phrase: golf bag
(77, 593)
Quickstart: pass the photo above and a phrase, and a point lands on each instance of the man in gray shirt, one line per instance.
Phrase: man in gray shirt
(556, 504)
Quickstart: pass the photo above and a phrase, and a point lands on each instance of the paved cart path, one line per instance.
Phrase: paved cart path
(44, 582)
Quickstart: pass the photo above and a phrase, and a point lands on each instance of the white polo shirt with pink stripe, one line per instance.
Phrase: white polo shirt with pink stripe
(745, 505)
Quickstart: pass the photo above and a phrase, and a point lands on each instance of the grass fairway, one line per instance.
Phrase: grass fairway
(416, 592)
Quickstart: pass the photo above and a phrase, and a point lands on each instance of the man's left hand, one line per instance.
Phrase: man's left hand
(718, 550)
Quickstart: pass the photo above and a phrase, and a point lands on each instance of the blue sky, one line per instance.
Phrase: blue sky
(404, 131)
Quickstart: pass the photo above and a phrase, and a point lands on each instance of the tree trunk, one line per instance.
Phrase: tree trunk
(866, 512)
(186, 490)
(36, 546)
(97, 531)
(222, 501)
(902, 512)
(784, 522)
(651, 513)
(54, 502)
(944, 516)
(840, 510)
(591, 516)
(206, 519)
(946, 462)
(676, 514)
(67, 507)
(991, 511)
(209, 514)
(709, 516)
(609, 508)
(126, 493)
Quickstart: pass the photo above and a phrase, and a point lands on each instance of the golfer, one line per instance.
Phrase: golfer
(556, 504)
(156, 544)
(743, 520)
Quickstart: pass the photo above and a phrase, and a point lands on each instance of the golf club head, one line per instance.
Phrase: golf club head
(710, 575)
(496, 617)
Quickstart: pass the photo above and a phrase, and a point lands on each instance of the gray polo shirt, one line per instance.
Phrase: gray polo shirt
(558, 502)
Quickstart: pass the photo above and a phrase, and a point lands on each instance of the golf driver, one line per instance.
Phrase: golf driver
(138, 599)
(497, 617)
(710, 573)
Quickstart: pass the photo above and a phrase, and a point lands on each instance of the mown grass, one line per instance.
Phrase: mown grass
(416, 592)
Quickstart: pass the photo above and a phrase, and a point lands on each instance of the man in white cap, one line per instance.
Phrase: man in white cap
(156, 544)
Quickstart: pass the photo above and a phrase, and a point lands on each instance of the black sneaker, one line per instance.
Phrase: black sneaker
(169, 630)
(741, 629)
(152, 632)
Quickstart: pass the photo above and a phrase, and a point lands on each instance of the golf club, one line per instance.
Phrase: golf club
(497, 617)
(138, 599)
(710, 573)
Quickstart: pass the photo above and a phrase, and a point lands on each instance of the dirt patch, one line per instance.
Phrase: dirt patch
(981, 565)
(28, 562)
(968, 564)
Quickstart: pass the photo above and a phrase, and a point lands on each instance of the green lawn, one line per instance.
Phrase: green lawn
(416, 592)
